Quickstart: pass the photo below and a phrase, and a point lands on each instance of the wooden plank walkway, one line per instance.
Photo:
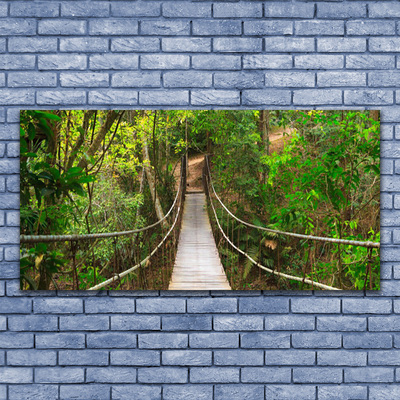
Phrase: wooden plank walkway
(197, 264)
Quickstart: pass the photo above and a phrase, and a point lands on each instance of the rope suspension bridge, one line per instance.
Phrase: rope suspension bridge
(189, 244)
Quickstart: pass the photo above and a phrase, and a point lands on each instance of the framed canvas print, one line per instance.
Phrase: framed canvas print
(200, 200)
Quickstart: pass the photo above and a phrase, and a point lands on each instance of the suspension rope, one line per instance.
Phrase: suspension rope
(296, 278)
(298, 235)
(76, 237)
(143, 262)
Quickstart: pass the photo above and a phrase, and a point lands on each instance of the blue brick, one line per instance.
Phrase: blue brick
(110, 375)
(317, 375)
(85, 9)
(186, 79)
(367, 306)
(342, 358)
(319, 61)
(13, 151)
(268, 28)
(32, 45)
(64, 97)
(288, 10)
(214, 340)
(289, 79)
(19, 26)
(238, 357)
(237, 45)
(275, 97)
(386, 132)
(194, 45)
(139, 44)
(83, 79)
(83, 357)
(89, 45)
(109, 306)
(12, 181)
(290, 392)
(325, 306)
(186, 357)
(217, 27)
(214, 375)
(342, 78)
(289, 357)
(318, 96)
(238, 10)
(240, 323)
(3, 322)
(98, 392)
(32, 323)
(287, 44)
(264, 305)
(136, 9)
(17, 61)
(33, 392)
(162, 375)
(57, 306)
(344, 392)
(31, 357)
(368, 97)
(136, 392)
(368, 374)
(113, 61)
(7, 201)
(135, 322)
(316, 340)
(16, 375)
(317, 27)
(163, 340)
(179, 392)
(367, 341)
(384, 357)
(289, 323)
(387, 44)
(2, 45)
(375, 28)
(345, 10)
(387, 323)
(109, 96)
(164, 61)
(239, 80)
(370, 61)
(263, 375)
(164, 27)
(180, 9)
(32, 79)
(235, 392)
(341, 323)
(3, 9)
(261, 340)
(384, 10)
(61, 27)
(111, 340)
(267, 61)
(9, 270)
(62, 61)
(381, 392)
(15, 306)
(341, 45)
(216, 62)
(147, 98)
(113, 26)
(60, 375)
(381, 79)
(186, 323)
(36, 9)
(84, 323)
(214, 97)
(212, 305)
(135, 357)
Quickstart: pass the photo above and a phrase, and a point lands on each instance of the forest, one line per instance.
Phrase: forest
(87, 174)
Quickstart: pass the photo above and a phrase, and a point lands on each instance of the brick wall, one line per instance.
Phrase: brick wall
(199, 345)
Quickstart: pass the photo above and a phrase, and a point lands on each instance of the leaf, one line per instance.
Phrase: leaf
(47, 115)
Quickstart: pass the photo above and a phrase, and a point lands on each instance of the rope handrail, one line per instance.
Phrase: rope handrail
(90, 236)
(292, 234)
(141, 263)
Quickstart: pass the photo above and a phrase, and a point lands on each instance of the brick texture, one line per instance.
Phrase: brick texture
(200, 54)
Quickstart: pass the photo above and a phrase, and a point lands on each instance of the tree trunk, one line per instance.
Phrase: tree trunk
(151, 180)
(105, 127)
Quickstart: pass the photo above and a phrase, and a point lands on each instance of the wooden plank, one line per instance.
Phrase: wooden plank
(197, 264)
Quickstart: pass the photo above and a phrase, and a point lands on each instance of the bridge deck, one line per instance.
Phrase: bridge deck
(197, 264)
